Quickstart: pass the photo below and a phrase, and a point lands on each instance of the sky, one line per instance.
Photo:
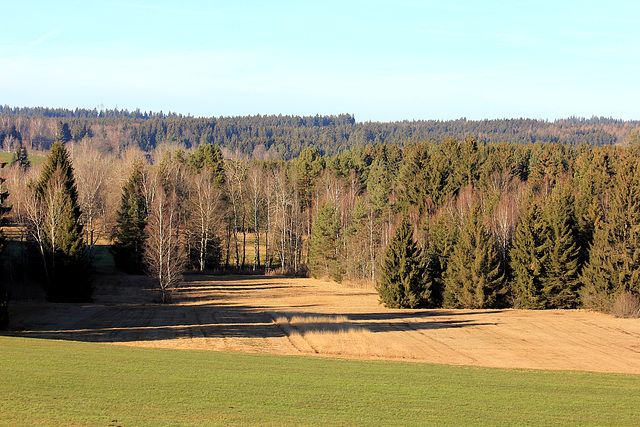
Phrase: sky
(376, 59)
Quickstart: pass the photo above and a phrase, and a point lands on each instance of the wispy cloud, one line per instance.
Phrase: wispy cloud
(40, 40)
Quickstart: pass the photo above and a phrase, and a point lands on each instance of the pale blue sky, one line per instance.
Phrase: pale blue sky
(380, 60)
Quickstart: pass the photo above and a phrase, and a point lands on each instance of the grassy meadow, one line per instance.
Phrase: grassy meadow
(35, 160)
(46, 382)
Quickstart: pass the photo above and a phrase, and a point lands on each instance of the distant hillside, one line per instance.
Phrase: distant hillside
(284, 137)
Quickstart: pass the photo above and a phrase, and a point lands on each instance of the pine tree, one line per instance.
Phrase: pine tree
(469, 162)
(474, 276)
(562, 261)
(21, 158)
(210, 156)
(129, 235)
(324, 246)
(65, 258)
(528, 259)
(614, 257)
(379, 185)
(441, 237)
(63, 133)
(415, 189)
(402, 282)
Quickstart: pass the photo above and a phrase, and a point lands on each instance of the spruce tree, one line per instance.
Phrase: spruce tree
(441, 237)
(528, 259)
(21, 158)
(324, 246)
(402, 282)
(129, 234)
(562, 260)
(414, 188)
(210, 156)
(474, 276)
(614, 257)
(66, 263)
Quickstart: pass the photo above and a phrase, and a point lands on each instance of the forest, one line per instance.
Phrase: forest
(284, 137)
(440, 222)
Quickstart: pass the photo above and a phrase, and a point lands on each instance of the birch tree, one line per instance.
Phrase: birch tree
(164, 254)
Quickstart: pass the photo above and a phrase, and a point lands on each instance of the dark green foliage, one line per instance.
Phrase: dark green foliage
(469, 162)
(379, 185)
(614, 258)
(416, 186)
(21, 158)
(209, 155)
(63, 133)
(562, 260)
(212, 254)
(528, 259)
(129, 235)
(324, 245)
(284, 137)
(362, 240)
(474, 275)
(441, 237)
(308, 168)
(403, 281)
(65, 255)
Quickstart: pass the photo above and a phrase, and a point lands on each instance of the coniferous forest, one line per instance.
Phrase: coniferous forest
(460, 214)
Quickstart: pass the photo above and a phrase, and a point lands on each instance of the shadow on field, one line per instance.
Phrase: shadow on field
(203, 308)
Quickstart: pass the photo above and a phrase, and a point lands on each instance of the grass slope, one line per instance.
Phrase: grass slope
(70, 383)
(35, 160)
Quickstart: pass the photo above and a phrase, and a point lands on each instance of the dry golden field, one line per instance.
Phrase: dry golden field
(312, 317)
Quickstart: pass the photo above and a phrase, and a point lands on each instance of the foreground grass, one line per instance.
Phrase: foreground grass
(69, 383)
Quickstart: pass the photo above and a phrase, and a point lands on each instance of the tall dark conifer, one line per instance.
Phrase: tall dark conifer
(441, 237)
(129, 234)
(528, 259)
(403, 282)
(324, 246)
(21, 157)
(614, 257)
(474, 276)
(562, 260)
(66, 263)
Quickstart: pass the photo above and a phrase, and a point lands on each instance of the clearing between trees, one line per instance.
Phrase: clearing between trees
(299, 316)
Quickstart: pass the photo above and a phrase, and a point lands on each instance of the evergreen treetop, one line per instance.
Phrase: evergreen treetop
(21, 158)
(528, 259)
(65, 255)
(403, 281)
(474, 277)
(324, 244)
(129, 233)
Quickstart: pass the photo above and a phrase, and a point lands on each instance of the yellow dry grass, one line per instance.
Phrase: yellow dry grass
(284, 315)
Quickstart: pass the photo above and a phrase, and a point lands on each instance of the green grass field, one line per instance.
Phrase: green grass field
(35, 160)
(71, 383)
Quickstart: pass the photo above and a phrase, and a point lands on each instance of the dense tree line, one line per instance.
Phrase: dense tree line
(284, 137)
(456, 223)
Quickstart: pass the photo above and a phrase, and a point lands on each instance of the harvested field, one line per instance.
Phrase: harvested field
(311, 317)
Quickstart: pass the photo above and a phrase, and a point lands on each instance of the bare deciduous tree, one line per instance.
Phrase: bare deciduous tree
(206, 216)
(164, 256)
(256, 181)
(92, 170)
(236, 173)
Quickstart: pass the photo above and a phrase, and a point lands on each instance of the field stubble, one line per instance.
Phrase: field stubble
(293, 316)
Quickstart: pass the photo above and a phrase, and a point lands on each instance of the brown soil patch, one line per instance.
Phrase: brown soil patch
(312, 317)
